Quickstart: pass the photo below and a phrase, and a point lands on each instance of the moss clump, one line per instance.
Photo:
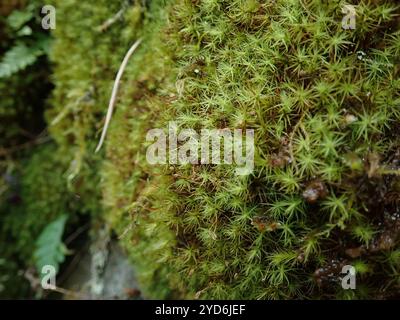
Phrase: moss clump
(324, 104)
(34, 189)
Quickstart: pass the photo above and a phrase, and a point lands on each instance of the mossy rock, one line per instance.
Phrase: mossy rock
(324, 104)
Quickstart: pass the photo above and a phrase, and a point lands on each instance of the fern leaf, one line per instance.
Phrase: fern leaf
(18, 58)
(17, 18)
(50, 249)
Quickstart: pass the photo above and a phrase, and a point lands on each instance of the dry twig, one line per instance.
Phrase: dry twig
(115, 91)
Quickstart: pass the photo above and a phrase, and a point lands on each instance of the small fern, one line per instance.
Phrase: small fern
(18, 58)
(17, 19)
(50, 250)
(27, 45)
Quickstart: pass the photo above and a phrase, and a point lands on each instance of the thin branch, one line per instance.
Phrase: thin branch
(115, 91)
(77, 233)
(73, 294)
(118, 16)
(40, 139)
(112, 20)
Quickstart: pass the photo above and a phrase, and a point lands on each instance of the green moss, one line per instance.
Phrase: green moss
(36, 184)
(290, 72)
(323, 102)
